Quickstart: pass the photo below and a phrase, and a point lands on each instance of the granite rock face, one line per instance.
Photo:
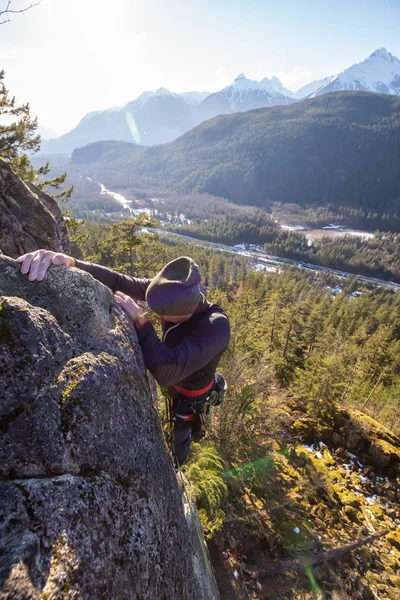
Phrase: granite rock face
(29, 218)
(89, 505)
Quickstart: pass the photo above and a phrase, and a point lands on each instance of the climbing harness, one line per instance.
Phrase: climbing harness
(169, 436)
(200, 410)
(218, 391)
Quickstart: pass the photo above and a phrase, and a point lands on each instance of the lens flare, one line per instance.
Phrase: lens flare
(317, 593)
(253, 471)
(265, 470)
(134, 131)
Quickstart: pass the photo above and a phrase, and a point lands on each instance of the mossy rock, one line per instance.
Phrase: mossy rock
(294, 535)
(366, 590)
(395, 581)
(373, 429)
(304, 429)
(378, 513)
(352, 514)
(346, 497)
(383, 452)
(319, 524)
(394, 539)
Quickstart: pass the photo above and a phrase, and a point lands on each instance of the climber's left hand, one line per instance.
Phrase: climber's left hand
(133, 309)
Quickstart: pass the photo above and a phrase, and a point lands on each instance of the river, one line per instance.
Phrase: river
(262, 260)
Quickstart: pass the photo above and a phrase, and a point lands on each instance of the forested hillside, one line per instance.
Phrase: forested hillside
(340, 149)
(292, 321)
(296, 482)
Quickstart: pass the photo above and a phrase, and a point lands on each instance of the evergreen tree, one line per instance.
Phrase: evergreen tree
(18, 137)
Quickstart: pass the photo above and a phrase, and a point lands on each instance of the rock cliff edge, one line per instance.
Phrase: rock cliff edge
(89, 504)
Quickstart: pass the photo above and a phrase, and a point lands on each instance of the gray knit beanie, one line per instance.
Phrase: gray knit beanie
(175, 289)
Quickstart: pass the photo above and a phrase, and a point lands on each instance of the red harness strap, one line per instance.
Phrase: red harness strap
(191, 417)
(193, 393)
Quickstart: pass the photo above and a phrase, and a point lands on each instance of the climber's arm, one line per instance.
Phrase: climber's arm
(37, 263)
(170, 365)
(132, 286)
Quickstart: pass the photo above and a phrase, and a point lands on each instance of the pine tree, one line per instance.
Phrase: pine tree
(18, 137)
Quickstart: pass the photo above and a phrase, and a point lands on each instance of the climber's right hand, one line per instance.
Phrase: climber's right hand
(36, 263)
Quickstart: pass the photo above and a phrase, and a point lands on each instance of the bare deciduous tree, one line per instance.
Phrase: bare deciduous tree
(9, 10)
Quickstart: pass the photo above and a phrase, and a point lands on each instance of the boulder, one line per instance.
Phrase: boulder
(89, 503)
(29, 218)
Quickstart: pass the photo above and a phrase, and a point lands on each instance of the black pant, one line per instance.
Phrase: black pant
(182, 439)
(184, 431)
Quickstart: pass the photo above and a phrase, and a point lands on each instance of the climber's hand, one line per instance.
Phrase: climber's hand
(133, 309)
(36, 263)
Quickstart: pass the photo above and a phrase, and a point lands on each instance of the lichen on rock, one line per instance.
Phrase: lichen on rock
(29, 218)
(89, 504)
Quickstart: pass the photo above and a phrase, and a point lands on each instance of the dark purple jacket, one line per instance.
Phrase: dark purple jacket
(190, 351)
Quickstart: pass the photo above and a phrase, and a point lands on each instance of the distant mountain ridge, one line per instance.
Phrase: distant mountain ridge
(160, 116)
(378, 73)
(339, 149)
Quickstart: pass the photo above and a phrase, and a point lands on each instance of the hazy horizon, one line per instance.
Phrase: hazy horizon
(70, 58)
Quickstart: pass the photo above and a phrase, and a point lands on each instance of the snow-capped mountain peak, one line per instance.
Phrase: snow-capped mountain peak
(277, 86)
(383, 53)
(246, 94)
(380, 73)
(144, 96)
(313, 86)
(164, 115)
(266, 84)
(242, 83)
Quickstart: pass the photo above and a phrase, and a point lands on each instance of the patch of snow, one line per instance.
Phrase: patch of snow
(265, 268)
(292, 227)
(313, 450)
(333, 226)
(371, 499)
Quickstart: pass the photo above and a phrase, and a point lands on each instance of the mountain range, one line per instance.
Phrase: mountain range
(339, 149)
(162, 116)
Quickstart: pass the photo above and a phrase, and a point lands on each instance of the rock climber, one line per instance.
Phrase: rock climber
(195, 332)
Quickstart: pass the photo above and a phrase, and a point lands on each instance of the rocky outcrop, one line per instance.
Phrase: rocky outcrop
(89, 504)
(29, 218)
(373, 443)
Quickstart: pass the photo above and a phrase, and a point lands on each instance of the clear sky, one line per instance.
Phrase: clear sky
(68, 57)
